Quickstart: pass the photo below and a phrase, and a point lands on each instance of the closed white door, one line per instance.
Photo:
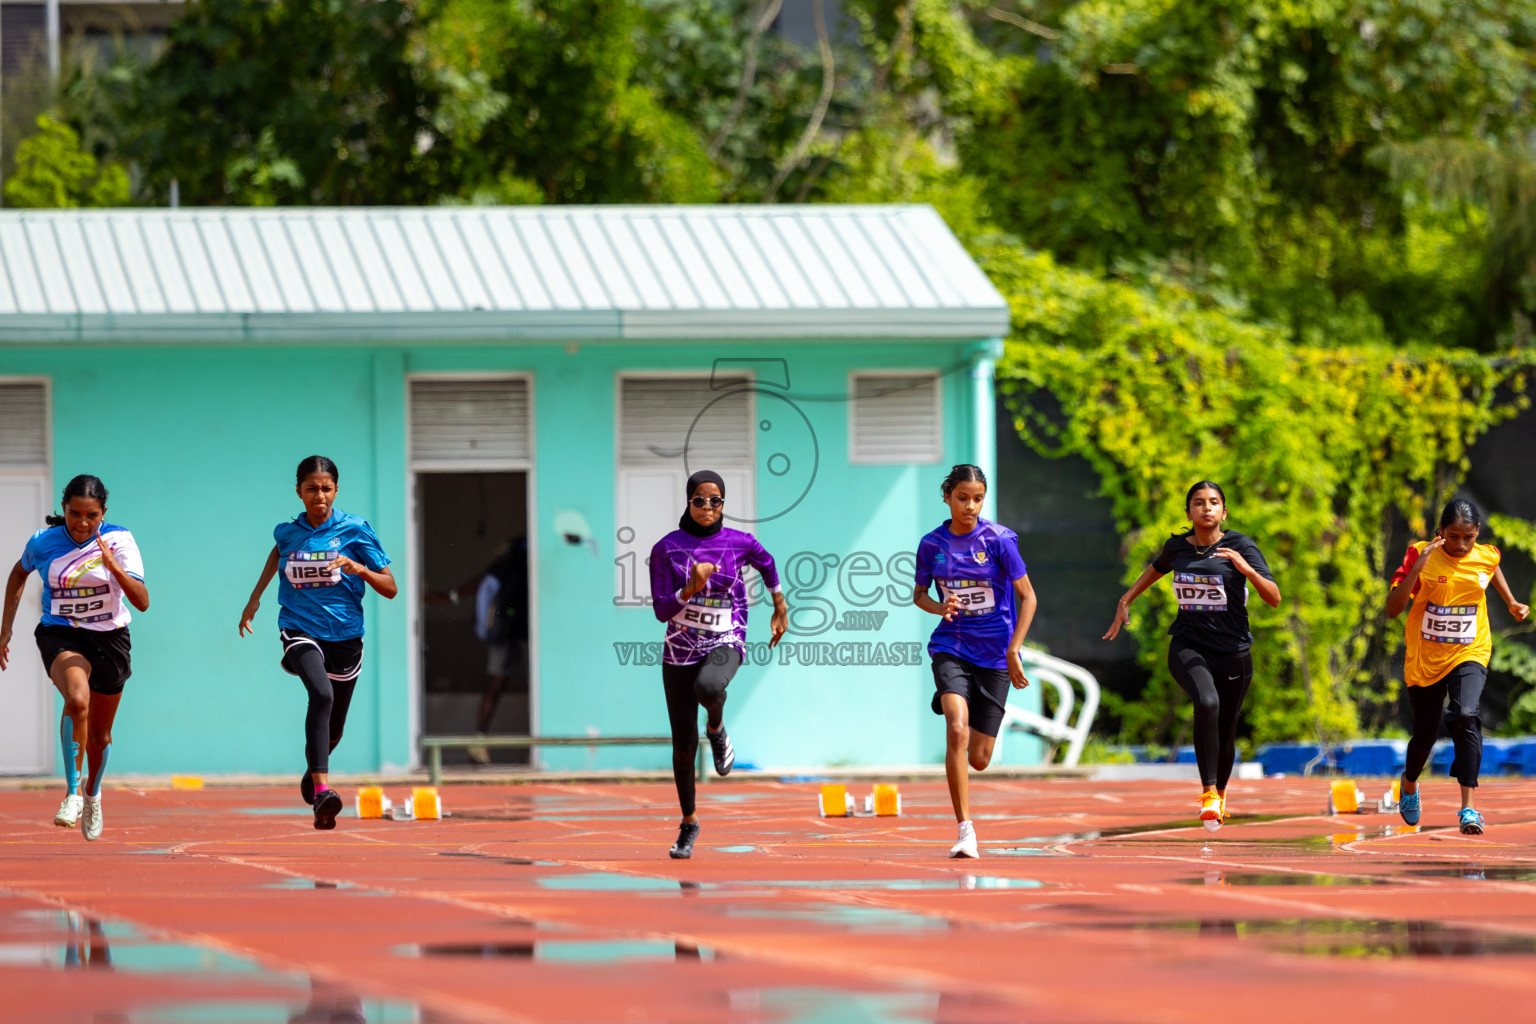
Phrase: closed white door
(26, 695)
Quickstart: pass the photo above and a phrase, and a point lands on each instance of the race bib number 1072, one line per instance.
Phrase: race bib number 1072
(1197, 593)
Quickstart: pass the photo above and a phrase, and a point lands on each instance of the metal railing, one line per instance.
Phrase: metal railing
(1060, 727)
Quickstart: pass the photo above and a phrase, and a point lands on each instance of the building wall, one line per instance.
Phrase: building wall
(198, 444)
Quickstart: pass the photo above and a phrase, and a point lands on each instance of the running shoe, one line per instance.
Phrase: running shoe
(1210, 811)
(307, 788)
(327, 806)
(687, 832)
(966, 847)
(1409, 805)
(1471, 822)
(479, 754)
(69, 811)
(725, 756)
(90, 822)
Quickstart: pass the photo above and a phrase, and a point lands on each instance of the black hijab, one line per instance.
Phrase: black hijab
(687, 524)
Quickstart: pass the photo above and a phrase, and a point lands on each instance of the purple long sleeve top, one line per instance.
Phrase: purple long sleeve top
(717, 615)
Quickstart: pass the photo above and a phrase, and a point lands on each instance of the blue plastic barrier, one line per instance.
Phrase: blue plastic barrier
(1186, 755)
(1287, 758)
(1373, 757)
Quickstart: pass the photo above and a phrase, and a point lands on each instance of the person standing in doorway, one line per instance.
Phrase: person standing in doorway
(501, 623)
(325, 556)
(91, 572)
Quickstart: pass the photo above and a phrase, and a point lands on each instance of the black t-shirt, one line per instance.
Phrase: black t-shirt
(1212, 594)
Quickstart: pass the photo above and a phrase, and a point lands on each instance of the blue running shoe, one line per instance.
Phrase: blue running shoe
(1408, 806)
(1471, 822)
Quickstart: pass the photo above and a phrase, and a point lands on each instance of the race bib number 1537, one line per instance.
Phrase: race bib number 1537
(1449, 624)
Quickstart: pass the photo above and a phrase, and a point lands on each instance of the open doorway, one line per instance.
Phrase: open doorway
(474, 525)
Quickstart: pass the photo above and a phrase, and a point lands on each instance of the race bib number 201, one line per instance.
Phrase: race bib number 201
(84, 604)
(711, 614)
(1197, 593)
(307, 569)
(1449, 624)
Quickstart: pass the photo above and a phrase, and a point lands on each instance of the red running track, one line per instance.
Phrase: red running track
(1091, 902)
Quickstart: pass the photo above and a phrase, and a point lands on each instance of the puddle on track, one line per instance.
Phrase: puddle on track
(571, 951)
(1479, 873)
(854, 917)
(1286, 878)
(1351, 937)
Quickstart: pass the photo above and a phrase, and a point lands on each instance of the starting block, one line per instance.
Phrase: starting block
(1391, 799)
(186, 782)
(1344, 798)
(424, 801)
(836, 802)
(372, 803)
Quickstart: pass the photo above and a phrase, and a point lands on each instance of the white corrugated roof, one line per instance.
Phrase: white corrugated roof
(490, 272)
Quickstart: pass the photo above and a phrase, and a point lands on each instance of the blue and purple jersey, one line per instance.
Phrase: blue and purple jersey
(979, 568)
(717, 615)
(78, 589)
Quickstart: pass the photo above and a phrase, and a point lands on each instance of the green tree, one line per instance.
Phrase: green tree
(53, 171)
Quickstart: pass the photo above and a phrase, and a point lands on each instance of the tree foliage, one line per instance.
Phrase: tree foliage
(53, 171)
(1316, 447)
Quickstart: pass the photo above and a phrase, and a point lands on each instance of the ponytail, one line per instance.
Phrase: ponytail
(82, 486)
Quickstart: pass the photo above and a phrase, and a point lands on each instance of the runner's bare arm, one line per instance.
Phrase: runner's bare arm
(925, 601)
(1148, 576)
(1025, 591)
(267, 572)
(381, 580)
(14, 585)
(1520, 611)
(133, 589)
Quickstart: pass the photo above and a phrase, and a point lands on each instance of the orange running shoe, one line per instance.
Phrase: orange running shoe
(1210, 811)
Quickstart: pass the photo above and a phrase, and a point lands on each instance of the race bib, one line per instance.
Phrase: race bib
(711, 614)
(307, 569)
(1449, 624)
(85, 604)
(975, 597)
(1197, 593)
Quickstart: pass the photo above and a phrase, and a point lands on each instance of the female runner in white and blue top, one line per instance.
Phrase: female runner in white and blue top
(325, 556)
(987, 608)
(89, 569)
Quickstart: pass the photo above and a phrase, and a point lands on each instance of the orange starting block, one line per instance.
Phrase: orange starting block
(1344, 798)
(837, 802)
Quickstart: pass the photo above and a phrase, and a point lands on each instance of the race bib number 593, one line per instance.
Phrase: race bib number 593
(1449, 624)
(84, 604)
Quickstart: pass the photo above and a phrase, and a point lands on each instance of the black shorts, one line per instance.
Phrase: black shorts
(106, 649)
(984, 689)
(343, 658)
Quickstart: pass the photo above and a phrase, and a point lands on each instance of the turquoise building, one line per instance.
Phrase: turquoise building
(486, 377)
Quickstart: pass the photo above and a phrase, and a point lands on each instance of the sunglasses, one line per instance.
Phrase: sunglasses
(701, 501)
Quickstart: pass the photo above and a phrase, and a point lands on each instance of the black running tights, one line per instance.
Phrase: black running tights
(328, 703)
(1217, 681)
(688, 687)
(1463, 721)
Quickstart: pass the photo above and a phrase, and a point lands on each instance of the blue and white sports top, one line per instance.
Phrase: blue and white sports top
(327, 605)
(78, 590)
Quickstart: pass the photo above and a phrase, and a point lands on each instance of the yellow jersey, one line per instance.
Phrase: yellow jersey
(1448, 618)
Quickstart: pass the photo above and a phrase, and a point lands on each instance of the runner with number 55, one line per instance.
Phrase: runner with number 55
(91, 572)
(1445, 581)
(1212, 569)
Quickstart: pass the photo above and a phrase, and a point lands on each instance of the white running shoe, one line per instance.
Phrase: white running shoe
(90, 822)
(966, 847)
(69, 811)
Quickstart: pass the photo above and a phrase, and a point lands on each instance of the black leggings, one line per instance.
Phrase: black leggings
(688, 687)
(1217, 681)
(1463, 721)
(328, 703)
